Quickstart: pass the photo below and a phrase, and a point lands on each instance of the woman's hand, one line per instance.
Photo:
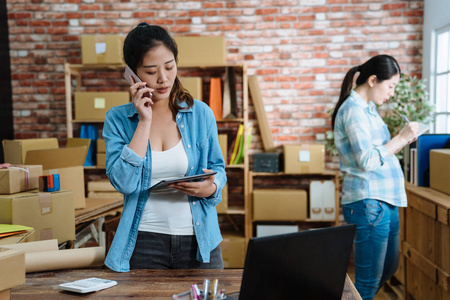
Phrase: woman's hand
(201, 189)
(409, 132)
(141, 98)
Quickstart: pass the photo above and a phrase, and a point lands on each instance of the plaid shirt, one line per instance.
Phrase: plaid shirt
(369, 172)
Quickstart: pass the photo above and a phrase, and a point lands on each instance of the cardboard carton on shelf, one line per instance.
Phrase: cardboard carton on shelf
(290, 205)
(101, 49)
(52, 215)
(201, 50)
(194, 85)
(222, 207)
(93, 106)
(439, 166)
(101, 147)
(233, 250)
(19, 178)
(15, 151)
(304, 158)
(12, 270)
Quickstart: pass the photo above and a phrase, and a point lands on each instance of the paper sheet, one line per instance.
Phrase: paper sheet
(64, 259)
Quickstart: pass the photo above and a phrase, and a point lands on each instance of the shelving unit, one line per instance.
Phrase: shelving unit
(327, 175)
(75, 72)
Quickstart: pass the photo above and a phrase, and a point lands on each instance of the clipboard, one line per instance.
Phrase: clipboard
(164, 183)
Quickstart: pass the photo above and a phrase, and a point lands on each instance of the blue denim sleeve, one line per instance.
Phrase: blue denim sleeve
(215, 163)
(123, 166)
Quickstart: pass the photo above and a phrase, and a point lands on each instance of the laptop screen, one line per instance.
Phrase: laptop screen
(310, 264)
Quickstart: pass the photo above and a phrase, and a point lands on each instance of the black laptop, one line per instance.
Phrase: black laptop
(310, 264)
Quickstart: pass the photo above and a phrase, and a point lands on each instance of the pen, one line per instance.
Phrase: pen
(205, 289)
(214, 285)
(181, 295)
(405, 119)
(194, 292)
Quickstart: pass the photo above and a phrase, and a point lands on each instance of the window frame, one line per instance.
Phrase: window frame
(434, 79)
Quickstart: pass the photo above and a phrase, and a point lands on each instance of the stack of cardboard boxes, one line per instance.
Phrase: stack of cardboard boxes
(51, 214)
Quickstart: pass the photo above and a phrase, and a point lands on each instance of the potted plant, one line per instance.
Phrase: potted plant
(410, 99)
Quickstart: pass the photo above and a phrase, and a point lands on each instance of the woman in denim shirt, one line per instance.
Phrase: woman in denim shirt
(163, 133)
(373, 187)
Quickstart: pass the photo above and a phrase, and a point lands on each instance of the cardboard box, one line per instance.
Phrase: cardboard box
(194, 85)
(279, 205)
(439, 167)
(15, 151)
(102, 49)
(93, 106)
(52, 215)
(222, 207)
(19, 178)
(101, 158)
(233, 250)
(304, 159)
(100, 186)
(268, 230)
(12, 268)
(322, 200)
(68, 163)
(101, 147)
(223, 142)
(201, 51)
(114, 195)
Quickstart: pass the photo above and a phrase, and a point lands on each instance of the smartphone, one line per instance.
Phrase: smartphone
(129, 73)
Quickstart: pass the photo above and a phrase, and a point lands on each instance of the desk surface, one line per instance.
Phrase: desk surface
(137, 284)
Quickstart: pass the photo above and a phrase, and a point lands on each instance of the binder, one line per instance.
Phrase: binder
(215, 97)
(425, 143)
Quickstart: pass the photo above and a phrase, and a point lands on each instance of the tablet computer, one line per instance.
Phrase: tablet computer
(164, 183)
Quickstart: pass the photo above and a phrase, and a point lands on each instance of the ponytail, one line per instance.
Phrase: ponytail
(382, 66)
(346, 89)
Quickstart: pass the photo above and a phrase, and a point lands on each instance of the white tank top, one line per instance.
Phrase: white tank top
(167, 211)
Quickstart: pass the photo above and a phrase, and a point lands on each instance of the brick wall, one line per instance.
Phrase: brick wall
(300, 50)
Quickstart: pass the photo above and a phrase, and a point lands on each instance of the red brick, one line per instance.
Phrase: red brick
(394, 6)
(267, 11)
(13, 16)
(212, 5)
(89, 7)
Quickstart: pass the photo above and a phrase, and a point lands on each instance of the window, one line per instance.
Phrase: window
(441, 98)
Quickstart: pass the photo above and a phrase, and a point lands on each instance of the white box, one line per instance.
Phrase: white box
(267, 230)
(322, 200)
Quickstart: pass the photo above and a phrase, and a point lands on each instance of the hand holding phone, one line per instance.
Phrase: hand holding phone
(130, 74)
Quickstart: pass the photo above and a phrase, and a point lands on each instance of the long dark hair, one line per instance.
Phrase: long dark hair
(145, 37)
(382, 66)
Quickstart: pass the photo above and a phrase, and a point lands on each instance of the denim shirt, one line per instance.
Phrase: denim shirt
(131, 175)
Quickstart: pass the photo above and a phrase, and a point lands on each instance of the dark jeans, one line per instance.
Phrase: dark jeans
(164, 251)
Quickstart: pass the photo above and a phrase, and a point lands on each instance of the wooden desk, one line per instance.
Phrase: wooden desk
(137, 284)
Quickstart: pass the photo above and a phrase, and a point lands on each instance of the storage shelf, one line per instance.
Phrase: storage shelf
(329, 174)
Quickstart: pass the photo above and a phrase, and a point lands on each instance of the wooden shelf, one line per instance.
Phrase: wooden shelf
(329, 174)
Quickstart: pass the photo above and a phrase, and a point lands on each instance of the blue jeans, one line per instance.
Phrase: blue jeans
(164, 251)
(376, 245)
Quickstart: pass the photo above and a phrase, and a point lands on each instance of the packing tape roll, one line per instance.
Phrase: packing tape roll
(64, 259)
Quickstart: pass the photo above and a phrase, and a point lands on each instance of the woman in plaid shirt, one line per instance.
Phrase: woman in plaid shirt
(373, 187)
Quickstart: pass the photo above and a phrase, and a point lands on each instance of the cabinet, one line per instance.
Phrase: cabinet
(425, 244)
(224, 125)
(295, 181)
